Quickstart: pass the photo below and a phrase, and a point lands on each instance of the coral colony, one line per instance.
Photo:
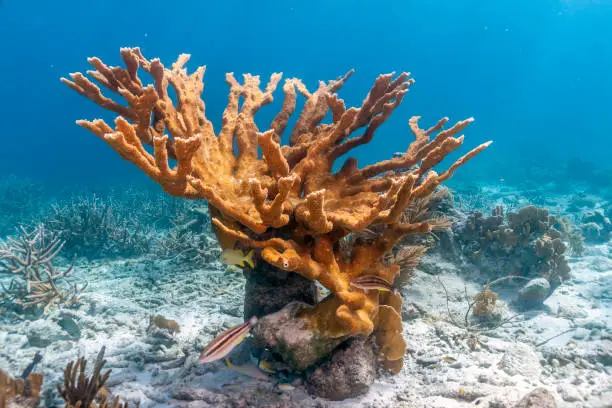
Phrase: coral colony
(285, 204)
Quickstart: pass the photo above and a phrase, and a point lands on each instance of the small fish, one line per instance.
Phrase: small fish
(371, 282)
(266, 367)
(237, 257)
(247, 369)
(449, 359)
(232, 386)
(286, 387)
(462, 391)
(224, 343)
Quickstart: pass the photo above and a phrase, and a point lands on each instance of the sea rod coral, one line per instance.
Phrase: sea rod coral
(284, 200)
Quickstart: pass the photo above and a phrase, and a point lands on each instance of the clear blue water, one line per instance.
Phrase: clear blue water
(536, 75)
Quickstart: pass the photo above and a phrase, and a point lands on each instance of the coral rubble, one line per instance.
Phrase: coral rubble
(287, 202)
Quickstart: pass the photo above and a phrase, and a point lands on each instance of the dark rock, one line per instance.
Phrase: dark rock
(269, 289)
(241, 354)
(291, 337)
(538, 398)
(350, 372)
(534, 293)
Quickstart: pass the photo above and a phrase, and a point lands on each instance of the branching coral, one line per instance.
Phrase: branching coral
(20, 393)
(82, 391)
(99, 226)
(287, 202)
(29, 259)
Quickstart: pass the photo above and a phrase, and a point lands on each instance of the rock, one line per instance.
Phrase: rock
(581, 333)
(533, 294)
(603, 353)
(520, 359)
(538, 398)
(569, 393)
(268, 290)
(291, 338)
(42, 333)
(350, 372)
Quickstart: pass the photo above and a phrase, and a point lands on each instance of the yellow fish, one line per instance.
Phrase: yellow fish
(449, 359)
(237, 257)
(266, 367)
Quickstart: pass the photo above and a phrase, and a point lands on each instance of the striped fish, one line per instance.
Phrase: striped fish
(224, 343)
(371, 282)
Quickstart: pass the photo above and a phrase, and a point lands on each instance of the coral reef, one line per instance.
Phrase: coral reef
(36, 283)
(287, 204)
(524, 243)
(596, 227)
(97, 226)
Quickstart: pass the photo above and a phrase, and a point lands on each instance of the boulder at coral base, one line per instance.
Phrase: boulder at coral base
(349, 373)
(268, 289)
(290, 337)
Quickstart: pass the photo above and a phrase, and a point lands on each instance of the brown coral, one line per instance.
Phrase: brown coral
(288, 201)
(82, 391)
(19, 392)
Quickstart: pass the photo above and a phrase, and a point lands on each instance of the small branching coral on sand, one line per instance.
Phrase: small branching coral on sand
(479, 316)
(481, 305)
(82, 391)
(36, 283)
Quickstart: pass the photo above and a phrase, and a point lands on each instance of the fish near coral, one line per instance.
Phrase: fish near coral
(249, 370)
(224, 343)
(371, 282)
(238, 258)
(266, 367)
(161, 322)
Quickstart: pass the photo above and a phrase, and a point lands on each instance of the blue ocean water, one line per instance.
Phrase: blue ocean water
(537, 76)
